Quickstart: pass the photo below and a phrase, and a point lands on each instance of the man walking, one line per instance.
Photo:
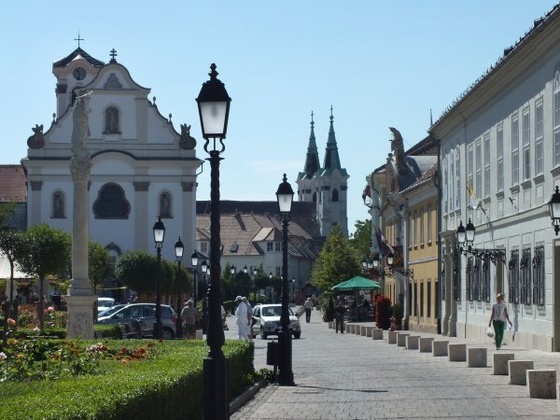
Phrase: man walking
(241, 318)
(308, 305)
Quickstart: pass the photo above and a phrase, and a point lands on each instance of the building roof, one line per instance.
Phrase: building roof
(78, 52)
(12, 184)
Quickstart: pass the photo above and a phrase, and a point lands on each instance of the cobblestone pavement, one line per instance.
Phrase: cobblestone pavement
(347, 376)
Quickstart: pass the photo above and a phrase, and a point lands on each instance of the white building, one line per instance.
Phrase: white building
(142, 167)
(500, 162)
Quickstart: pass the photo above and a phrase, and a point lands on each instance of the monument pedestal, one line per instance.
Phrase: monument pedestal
(80, 316)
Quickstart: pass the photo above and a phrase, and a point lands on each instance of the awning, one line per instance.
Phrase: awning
(356, 283)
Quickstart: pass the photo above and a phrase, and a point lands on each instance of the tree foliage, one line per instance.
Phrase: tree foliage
(360, 240)
(100, 267)
(7, 210)
(336, 262)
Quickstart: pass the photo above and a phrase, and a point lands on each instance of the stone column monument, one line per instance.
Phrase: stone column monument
(80, 299)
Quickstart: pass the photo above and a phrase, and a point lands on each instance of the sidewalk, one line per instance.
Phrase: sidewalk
(347, 376)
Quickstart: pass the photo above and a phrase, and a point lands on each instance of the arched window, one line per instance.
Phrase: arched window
(112, 120)
(111, 203)
(165, 205)
(335, 196)
(58, 206)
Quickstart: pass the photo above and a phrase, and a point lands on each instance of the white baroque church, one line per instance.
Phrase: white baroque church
(142, 167)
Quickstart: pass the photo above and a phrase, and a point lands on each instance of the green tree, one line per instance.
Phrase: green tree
(46, 251)
(7, 210)
(360, 240)
(11, 246)
(100, 267)
(336, 262)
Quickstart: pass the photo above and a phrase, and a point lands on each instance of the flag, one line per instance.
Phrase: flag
(384, 246)
(474, 202)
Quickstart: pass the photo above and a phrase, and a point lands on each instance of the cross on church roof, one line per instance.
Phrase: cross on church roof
(113, 54)
(79, 39)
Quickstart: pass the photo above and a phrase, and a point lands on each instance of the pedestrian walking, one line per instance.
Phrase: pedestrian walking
(249, 329)
(190, 318)
(498, 319)
(339, 312)
(241, 318)
(308, 305)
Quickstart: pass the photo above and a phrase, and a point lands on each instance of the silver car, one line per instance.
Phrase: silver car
(266, 320)
(140, 317)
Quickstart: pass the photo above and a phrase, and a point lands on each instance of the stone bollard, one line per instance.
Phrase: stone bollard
(411, 342)
(457, 352)
(426, 344)
(541, 383)
(518, 371)
(369, 331)
(392, 337)
(401, 338)
(377, 333)
(500, 366)
(477, 357)
(439, 348)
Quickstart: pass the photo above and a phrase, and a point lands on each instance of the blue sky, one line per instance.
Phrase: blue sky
(378, 63)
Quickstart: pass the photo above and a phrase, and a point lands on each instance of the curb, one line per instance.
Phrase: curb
(246, 396)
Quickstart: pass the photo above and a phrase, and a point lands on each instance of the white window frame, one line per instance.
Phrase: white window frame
(515, 149)
(500, 157)
(539, 137)
(526, 139)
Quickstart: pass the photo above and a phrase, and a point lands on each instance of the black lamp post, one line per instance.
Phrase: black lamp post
(159, 235)
(255, 272)
(271, 290)
(213, 108)
(204, 268)
(179, 255)
(293, 289)
(554, 207)
(194, 265)
(285, 195)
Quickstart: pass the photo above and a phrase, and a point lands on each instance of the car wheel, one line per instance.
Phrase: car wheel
(167, 334)
(297, 335)
(263, 334)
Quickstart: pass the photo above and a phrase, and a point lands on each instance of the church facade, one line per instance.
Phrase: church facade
(141, 166)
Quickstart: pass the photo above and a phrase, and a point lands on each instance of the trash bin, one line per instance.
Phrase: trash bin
(272, 353)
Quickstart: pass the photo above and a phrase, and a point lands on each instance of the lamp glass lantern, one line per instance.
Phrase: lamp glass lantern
(204, 267)
(194, 259)
(470, 232)
(461, 234)
(179, 249)
(159, 232)
(285, 196)
(213, 107)
(390, 258)
(554, 208)
(375, 261)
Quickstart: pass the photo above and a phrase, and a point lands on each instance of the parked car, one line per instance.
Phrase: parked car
(111, 310)
(141, 317)
(266, 320)
(104, 303)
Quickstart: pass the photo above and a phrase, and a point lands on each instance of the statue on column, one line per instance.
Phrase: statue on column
(80, 132)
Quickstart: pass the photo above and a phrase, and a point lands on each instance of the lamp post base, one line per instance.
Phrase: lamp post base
(285, 375)
(216, 398)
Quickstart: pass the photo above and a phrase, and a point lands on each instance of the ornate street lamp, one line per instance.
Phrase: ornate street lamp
(285, 196)
(390, 258)
(256, 291)
(179, 255)
(159, 235)
(194, 265)
(465, 242)
(213, 107)
(554, 207)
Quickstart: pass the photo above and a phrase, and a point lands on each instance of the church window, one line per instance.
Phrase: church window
(165, 205)
(58, 206)
(111, 203)
(335, 196)
(112, 120)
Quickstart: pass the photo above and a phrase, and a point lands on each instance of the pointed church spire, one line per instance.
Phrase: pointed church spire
(312, 157)
(332, 160)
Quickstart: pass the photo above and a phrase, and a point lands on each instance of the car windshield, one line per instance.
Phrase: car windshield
(109, 311)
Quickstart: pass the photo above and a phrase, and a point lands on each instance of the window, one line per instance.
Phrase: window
(445, 196)
(525, 277)
(204, 247)
(278, 246)
(415, 228)
(269, 246)
(335, 195)
(557, 118)
(469, 271)
(539, 138)
(514, 149)
(58, 206)
(478, 168)
(165, 205)
(457, 277)
(409, 231)
(485, 287)
(429, 299)
(111, 203)
(421, 227)
(470, 167)
(429, 224)
(526, 127)
(513, 266)
(486, 148)
(500, 154)
(477, 279)
(538, 276)
(457, 180)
